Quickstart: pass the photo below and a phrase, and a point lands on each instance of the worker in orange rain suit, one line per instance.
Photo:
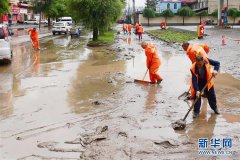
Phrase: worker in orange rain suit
(129, 28)
(124, 29)
(140, 32)
(34, 38)
(192, 51)
(136, 28)
(153, 62)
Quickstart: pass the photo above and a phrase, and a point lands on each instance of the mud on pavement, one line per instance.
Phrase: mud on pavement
(82, 104)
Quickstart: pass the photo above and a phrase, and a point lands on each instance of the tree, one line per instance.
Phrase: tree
(41, 6)
(149, 13)
(233, 12)
(96, 15)
(56, 10)
(167, 13)
(4, 7)
(202, 14)
(185, 11)
(151, 4)
(214, 13)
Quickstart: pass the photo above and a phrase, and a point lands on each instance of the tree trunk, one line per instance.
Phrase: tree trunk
(95, 33)
(49, 23)
(1, 18)
(148, 21)
(183, 20)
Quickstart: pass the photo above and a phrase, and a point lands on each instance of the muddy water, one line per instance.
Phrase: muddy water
(63, 96)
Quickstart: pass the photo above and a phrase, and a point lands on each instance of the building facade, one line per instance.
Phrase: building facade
(173, 5)
(213, 4)
(20, 10)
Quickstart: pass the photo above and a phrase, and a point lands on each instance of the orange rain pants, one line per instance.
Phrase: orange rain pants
(153, 63)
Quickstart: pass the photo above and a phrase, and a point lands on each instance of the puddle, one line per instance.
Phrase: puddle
(67, 91)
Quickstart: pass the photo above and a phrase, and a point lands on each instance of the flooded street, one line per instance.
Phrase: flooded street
(70, 101)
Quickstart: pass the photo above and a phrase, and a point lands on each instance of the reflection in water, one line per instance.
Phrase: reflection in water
(36, 63)
(91, 81)
(129, 40)
(151, 97)
(6, 84)
(203, 127)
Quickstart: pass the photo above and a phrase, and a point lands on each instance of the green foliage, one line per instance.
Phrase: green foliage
(56, 9)
(158, 14)
(215, 13)
(4, 7)
(51, 8)
(173, 36)
(185, 11)
(148, 12)
(151, 4)
(97, 15)
(167, 13)
(233, 12)
(202, 13)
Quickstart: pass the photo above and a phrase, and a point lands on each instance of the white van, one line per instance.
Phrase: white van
(66, 19)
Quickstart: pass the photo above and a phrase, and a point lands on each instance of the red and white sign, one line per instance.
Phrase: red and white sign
(23, 11)
(15, 10)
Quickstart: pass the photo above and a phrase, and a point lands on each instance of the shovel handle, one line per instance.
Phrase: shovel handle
(195, 101)
(145, 74)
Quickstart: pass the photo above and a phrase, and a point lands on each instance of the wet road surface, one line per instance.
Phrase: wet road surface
(69, 101)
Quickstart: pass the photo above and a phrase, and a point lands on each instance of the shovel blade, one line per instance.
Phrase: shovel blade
(141, 81)
(184, 96)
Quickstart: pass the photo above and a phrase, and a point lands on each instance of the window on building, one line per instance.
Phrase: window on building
(175, 5)
(168, 6)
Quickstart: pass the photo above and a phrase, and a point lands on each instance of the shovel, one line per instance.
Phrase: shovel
(142, 81)
(184, 95)
(181, 124)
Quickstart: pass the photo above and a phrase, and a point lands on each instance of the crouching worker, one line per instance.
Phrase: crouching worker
(201, 73)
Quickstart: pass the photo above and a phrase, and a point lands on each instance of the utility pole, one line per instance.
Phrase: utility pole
(134, 12)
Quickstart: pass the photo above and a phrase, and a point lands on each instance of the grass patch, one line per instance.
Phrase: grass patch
(169, 35)
(106, 39)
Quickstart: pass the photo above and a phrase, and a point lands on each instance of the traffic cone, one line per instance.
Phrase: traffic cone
(223, 40)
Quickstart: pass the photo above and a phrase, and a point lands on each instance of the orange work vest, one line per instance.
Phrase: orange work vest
(140, 29)
(124, 27)
(129, 27)
(136, 26)
(208, 76)
(194, 50)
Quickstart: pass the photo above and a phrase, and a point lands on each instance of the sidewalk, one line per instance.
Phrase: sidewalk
(26, 38)
(20, 30)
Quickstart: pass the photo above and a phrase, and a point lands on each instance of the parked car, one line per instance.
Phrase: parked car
(75, 31)
(44, 22)
(209, 22)
(66, 19)
(31, 21)
(5, 44)
(61, 27)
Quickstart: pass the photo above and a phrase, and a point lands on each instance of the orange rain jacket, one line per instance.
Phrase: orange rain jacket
(197, 49)
(153, 62)
(129, 27)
